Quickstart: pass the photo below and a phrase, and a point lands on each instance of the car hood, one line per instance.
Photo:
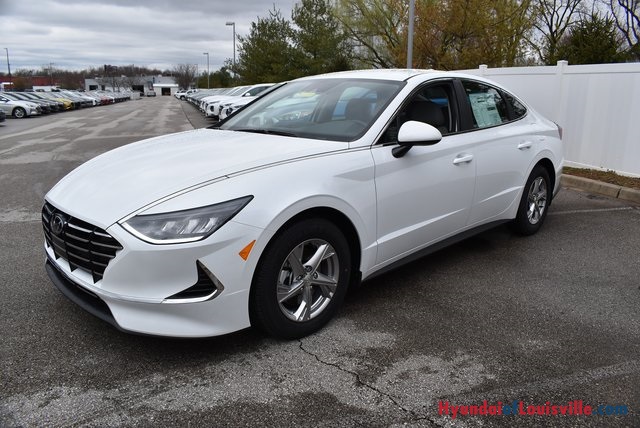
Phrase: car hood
(117, 183)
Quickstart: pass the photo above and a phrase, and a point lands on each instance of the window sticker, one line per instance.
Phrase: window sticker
(484, 109)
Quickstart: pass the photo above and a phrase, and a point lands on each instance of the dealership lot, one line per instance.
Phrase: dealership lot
(549, 318)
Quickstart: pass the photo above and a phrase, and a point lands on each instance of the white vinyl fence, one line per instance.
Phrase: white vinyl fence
(598, 107)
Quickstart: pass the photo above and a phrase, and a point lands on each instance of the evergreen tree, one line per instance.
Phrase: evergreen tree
(593, 40)
(319, 38)
(268, 54)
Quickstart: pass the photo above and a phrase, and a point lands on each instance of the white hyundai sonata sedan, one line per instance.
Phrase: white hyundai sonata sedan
(267, 219)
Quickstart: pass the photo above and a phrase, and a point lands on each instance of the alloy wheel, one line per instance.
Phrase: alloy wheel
(308, 280)
(537, 200)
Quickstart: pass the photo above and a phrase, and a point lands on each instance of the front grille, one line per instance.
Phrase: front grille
(81, 244)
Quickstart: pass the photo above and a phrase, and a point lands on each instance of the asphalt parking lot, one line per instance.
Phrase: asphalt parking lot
(550, 318)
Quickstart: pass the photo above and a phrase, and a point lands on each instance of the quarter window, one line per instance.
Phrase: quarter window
(488, 107)
(516, 106)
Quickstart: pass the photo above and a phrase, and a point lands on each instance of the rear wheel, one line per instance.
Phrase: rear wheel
(19, 113)
(301, 280)
(534, 203)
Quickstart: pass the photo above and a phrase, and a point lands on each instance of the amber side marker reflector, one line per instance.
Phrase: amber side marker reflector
(246, 250)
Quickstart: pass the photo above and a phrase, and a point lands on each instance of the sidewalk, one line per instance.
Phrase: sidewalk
(599, 187)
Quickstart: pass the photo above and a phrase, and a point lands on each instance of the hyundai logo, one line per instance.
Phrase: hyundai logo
(57, 223)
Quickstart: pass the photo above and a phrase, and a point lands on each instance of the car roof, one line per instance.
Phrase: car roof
(395, 74)
(380, 73)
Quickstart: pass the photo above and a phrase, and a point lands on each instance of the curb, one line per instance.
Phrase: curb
(602, 188)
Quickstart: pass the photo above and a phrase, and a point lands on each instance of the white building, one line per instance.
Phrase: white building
(162, 85)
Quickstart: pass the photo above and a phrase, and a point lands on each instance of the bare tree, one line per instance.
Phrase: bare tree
(185, 74)
(552, 20)
(111, 79)
(376, 29)
(626, 15)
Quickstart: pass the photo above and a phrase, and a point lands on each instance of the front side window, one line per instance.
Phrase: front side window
(340, 109)
(433, 104)
(488, 107)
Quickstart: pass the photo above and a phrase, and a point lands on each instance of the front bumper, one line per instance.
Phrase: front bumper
(205, 319)
(87, 300)
(134, 293)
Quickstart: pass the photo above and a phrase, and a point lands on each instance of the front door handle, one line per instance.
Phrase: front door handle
(462, 159)
(525, 145)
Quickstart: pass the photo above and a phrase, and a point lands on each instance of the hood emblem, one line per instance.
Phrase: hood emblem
(57, 223)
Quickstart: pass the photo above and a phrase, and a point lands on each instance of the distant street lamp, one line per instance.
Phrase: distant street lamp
(9, 68)
(207, 54)
(233, 24)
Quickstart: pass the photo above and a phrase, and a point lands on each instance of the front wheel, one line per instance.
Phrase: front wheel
(19, 113)
(301, 279)
(534, 203)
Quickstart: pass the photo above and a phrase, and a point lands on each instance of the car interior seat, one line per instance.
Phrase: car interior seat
(428, 112)
(360, 109)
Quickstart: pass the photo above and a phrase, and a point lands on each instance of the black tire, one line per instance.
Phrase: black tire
(275, 273)
(19, 113)
(534, 203)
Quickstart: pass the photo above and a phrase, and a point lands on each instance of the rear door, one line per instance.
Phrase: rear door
(503, 148)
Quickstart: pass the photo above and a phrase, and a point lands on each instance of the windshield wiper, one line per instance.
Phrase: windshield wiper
(267, 131)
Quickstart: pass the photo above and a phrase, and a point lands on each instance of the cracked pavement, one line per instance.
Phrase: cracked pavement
(553, 317)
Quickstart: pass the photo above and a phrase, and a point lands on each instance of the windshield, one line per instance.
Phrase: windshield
(340, 109)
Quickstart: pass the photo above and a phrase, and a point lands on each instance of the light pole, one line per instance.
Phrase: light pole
(207, 54)
(233, 24)
(9, 68)
(410, 34)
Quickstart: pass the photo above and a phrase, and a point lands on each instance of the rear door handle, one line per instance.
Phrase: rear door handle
(525, 145)
(462, 159)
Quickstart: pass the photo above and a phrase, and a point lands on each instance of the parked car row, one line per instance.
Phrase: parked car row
(182, 94)
(215, 103)
(25, 104)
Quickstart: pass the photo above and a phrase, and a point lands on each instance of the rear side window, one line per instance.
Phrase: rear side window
(488, 107)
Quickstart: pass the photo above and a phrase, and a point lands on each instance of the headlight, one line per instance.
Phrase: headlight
(184, 226)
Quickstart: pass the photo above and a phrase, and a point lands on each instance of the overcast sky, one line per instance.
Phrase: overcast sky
(76, 34)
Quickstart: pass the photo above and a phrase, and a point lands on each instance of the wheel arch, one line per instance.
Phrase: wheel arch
(339, 219)
(548, 166)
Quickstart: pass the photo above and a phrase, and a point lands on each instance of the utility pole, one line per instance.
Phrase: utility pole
(9, 68)
(208, 74)
(412, 6)
(233, 24)
(50, 74)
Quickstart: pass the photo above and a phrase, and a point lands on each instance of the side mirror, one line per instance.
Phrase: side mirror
(413, 133)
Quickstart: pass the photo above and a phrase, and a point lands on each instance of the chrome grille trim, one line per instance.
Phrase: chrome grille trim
(83, 245)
